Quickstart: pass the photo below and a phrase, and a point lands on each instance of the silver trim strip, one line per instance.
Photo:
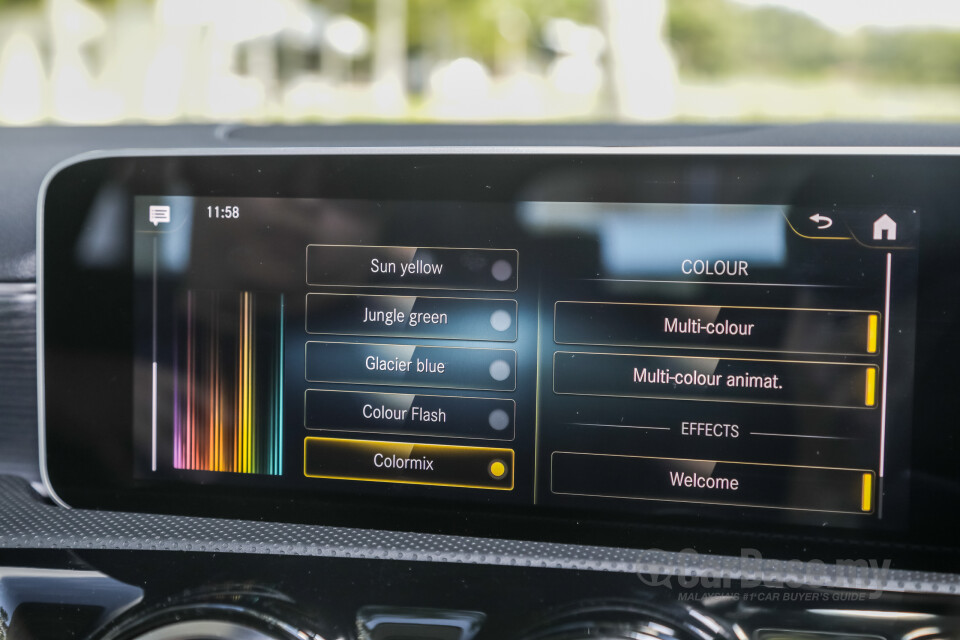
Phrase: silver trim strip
(505, 150)
(41, 400)
(13, 289)
(191, 630)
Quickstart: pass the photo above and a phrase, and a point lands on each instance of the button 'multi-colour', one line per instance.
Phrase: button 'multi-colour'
(714, 327)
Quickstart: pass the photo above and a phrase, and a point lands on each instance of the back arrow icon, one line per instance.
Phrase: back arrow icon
(817, 219)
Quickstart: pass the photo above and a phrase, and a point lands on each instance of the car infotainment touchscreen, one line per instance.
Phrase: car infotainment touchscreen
(631, 339)
(599, 354)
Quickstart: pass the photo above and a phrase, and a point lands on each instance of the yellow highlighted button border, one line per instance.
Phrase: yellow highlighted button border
(435, 465)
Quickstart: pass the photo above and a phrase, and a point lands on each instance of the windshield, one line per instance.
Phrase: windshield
(304, 61)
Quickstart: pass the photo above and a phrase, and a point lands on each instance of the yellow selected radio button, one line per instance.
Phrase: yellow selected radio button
(498, 469)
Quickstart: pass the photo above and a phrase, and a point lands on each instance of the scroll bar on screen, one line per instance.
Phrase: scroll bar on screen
(883, 384)
(153, 406)
(886, 355)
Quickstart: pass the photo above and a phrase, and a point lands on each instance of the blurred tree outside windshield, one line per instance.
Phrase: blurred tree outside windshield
(260, 61)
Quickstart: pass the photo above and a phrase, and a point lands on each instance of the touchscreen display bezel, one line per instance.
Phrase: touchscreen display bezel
(86, 314)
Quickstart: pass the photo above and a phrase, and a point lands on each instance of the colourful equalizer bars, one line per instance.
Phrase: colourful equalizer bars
(228, 386)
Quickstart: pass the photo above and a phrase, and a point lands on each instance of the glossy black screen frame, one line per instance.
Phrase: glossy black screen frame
(86, 315)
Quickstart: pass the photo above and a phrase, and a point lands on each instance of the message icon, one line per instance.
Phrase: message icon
(159, 213)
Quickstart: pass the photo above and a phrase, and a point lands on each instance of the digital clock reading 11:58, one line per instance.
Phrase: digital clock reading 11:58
(225, 213)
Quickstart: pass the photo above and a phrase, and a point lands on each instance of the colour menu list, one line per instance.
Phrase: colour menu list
(843, 375)
(386, 365)
(727, 375)
(657, 359)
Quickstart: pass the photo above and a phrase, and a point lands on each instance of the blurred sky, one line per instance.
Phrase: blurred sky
(849, 15)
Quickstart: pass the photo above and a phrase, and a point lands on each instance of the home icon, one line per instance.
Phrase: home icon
(884, 226)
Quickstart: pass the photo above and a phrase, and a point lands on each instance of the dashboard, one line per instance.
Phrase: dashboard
(616, 392)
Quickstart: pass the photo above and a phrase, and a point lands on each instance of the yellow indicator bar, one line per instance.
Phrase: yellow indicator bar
(871, 394)
(872, 321)
(866, 498)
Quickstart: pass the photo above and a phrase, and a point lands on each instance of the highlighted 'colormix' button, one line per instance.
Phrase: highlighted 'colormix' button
(408, 463)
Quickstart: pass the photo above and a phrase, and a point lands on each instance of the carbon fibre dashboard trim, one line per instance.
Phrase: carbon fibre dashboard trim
(28, 522)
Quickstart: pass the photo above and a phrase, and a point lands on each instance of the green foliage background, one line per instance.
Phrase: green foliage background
(715, 38)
